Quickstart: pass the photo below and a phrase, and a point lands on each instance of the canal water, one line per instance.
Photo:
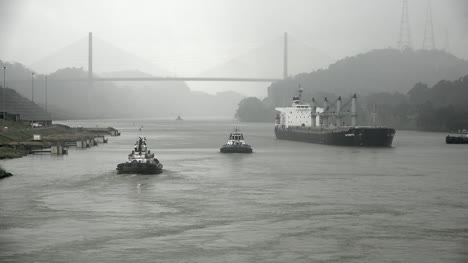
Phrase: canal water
(286, 202)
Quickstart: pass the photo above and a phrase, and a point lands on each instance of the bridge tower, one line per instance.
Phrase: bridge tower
(285, 59)
(90, 62)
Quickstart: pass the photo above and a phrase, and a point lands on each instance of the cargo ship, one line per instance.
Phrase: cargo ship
(310, 123)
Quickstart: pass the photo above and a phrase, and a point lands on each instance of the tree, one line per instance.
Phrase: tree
(251, 109)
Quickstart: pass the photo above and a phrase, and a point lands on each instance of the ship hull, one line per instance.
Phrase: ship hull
(353, 136)
(235, 149)
(139, 168)
(459, 139)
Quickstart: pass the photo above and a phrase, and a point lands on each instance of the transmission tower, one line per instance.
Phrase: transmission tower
(429, 42)
(447, 41)
(404, 41)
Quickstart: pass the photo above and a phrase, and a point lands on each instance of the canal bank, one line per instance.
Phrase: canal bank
(20, 139)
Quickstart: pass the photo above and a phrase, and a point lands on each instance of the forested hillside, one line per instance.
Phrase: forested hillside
(75, 100)
(409, 89)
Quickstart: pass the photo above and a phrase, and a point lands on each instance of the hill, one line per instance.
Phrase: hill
(265, 61)
(384, 70)
(106, 58)
(74, 100)
(17, 104)
(173, 98)
(392, 80)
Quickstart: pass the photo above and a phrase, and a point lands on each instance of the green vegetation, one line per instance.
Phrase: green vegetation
(18, 133)
(22, 132)
(385, 78)
(11, 152)
(4, 174)
(440, 108)
(17, 140)
(384, 70)
(252, 109)
(74, 99)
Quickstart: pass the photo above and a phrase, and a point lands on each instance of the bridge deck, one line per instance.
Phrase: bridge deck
(173, 79)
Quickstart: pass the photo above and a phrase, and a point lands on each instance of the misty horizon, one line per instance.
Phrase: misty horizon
(180, 38)
(234, 131)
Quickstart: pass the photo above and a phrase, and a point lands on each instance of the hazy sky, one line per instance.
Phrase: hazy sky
(188, 37)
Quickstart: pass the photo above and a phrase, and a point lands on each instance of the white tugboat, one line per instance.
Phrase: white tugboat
(236, 143)
(140, 161)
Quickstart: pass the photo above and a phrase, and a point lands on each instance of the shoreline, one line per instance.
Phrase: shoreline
(20, 140)
(4, 174)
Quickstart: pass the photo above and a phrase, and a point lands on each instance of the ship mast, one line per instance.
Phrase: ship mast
(314, 113)
(325, 113)
(353, 110)
(338, 112)
(300, 92)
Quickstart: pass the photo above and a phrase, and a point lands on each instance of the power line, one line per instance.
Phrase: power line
(429, 41)
(404, 40)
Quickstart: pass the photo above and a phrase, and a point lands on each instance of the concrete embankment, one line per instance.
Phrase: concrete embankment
(19, 140)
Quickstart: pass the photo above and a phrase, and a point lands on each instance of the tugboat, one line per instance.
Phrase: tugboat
(457, 138)
(140, 161)
(236, 144)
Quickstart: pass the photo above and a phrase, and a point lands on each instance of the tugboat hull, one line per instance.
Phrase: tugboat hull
(235, 149)
(139, 168)
(354, 136)
(456, 139)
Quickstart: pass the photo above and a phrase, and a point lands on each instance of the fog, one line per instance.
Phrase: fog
(210, 38)
(352, 154)
(192, 38)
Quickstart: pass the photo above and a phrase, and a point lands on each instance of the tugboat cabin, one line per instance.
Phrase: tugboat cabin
(236, 136)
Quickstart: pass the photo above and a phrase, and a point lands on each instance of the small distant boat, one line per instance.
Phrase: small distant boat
(179, 118)
(458, 138)
(236, 144)
(140, 161)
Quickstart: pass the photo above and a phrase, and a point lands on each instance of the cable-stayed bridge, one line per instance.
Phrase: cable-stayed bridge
(93, 78)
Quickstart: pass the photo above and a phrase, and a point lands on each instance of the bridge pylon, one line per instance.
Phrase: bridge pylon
(90, 63)
(285, 58)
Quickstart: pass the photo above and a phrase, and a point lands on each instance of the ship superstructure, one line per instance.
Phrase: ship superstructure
(310, 115)
(236, 143)
(140, 160)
